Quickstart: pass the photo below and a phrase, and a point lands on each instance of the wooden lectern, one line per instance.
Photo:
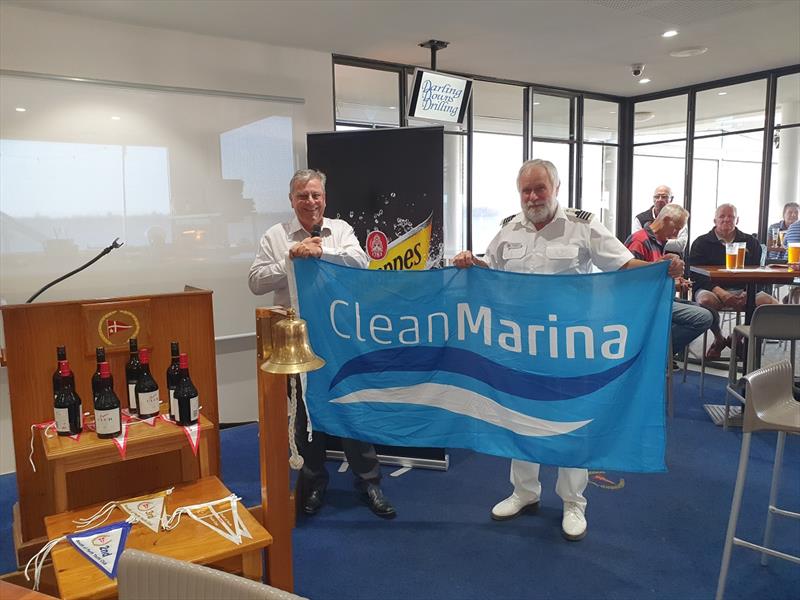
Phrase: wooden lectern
(32, 333)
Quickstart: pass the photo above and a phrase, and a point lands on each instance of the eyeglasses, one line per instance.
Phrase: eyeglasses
(660, 196)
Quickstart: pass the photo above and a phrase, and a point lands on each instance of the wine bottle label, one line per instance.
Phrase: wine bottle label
(173, 405)
(194, 408)
(62, 420)
(107, 421)
(132, 395)
(148, 402)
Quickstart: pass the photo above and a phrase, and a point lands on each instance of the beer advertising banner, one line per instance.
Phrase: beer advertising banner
(388, 184)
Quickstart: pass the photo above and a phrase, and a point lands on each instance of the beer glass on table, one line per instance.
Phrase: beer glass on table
(731, 252)
(741, 248)
(794, 255)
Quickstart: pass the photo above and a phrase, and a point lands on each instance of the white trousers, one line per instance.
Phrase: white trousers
(570, 484)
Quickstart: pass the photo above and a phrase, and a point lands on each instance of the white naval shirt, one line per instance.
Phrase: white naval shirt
(268, 271)
(572, 242)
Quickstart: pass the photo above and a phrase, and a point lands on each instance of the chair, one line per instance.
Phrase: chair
(770, 406)
(145, 576)
(770, 321)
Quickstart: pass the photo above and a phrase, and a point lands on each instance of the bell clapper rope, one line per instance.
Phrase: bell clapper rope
(295, 460)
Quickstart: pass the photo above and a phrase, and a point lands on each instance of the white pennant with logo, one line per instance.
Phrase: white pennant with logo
(102, 546)
(207, 514)
(149, 512)
(193, 434)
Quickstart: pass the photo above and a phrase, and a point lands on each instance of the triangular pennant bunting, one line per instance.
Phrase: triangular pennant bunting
(148, 511)
(102, 546)
(193, 434)
(121, 440)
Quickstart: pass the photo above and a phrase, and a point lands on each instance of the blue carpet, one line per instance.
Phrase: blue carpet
(657, 536)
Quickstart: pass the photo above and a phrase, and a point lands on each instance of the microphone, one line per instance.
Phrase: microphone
(316, 230)
(113, 246)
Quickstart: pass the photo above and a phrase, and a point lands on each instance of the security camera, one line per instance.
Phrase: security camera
(637, 69)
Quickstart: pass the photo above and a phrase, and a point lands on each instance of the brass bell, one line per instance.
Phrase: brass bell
(291, 352)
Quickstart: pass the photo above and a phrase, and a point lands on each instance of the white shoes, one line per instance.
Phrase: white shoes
(513, 506)
(573, 523)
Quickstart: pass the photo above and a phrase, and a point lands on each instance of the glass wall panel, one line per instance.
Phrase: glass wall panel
(366, 96)
(655, 165)
(497, 108)
(731, 108)
(550, 116)
(558, 154)
(600, 121)
(496, 160)
(600, 183)
(726, 169)
(785, 181)
(497, 155)
(787, 107)
(659, 120)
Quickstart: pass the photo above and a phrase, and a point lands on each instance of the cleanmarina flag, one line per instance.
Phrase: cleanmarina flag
(559, 369)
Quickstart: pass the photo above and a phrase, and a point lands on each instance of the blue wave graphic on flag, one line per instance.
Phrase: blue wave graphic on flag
(468, 363)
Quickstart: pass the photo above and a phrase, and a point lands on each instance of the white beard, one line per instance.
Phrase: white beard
(538, 214)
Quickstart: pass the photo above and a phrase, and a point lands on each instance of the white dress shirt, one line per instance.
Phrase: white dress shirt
(268, 271)
(572, 242)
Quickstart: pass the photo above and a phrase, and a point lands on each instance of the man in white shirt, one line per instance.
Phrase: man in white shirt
(661, 197)
(310, 235)
(546, 238)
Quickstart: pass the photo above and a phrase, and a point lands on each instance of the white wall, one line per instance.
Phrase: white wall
(55, 44)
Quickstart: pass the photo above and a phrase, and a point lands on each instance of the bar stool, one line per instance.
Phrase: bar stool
(770, 321)
(770, 406)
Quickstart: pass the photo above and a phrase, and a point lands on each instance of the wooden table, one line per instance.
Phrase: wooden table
(749, 278)
(66, 455)
(9, 591)
(190, 541)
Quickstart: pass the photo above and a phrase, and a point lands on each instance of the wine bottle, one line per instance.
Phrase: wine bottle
(173, 377)
(67, 403)
(107, 415)
(61, 354)
(186, 396)
(100, 353)
(146, 388)
(132, 370)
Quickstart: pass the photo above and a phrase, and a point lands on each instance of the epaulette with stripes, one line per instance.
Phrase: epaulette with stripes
(507, 220)
(581, 215)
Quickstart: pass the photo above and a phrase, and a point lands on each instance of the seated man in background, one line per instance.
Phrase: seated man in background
(661, 196)
(709, 249)
(689, 319)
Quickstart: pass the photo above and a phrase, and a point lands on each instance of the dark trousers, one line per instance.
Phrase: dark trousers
(314, 476)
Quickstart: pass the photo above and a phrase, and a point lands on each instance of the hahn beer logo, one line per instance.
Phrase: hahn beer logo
(377, 244)
(116, 322)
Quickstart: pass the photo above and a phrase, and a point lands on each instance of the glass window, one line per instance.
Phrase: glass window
(787, 107)
(600, 121)
(551, 116)
(726, 169)
(558, 154)
(496, 160)
(366, 96)
(497, 108)
(599, 189)
(497, 155)
(659, 120)
(655, 165)
(731, 108)
(785, 181)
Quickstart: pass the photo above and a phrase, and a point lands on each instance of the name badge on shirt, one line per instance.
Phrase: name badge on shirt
(561, 252)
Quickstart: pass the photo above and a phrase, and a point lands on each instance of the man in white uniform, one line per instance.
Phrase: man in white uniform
(310, 235)
(546, 238)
